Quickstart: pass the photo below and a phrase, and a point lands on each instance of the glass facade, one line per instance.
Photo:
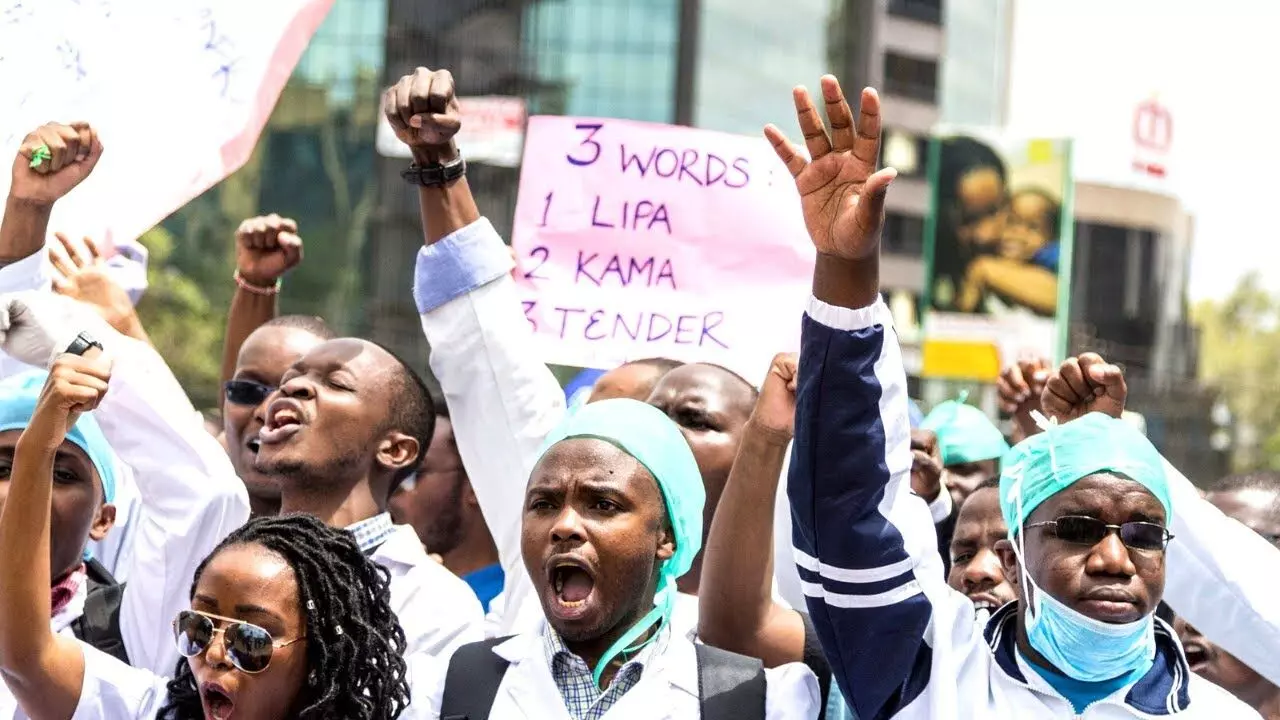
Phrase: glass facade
(976, 66)
(604, 58)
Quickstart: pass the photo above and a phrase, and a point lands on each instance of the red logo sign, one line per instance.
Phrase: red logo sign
(1152, 134)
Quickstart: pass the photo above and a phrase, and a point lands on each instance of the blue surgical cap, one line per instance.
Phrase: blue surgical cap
(18, 396)
(1044, 465)
(646, 434)
(965, 433)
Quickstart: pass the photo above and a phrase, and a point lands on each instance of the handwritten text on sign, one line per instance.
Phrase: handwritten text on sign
(640, 240)
(178, 90)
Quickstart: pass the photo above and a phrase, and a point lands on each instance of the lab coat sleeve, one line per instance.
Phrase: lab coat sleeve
(502, 399)
(112, 690)
(864, 544)
(1224, 579)
(190, 495)
(792, 693)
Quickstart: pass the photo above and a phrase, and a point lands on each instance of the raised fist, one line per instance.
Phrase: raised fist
(52, 160)
(775, 410)
(926, 465)
(1082, 385)
(1020, 387)
(424, 113)
(266, 248)
(76, 384)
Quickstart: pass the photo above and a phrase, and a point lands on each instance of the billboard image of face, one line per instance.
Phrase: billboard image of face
(999, 231)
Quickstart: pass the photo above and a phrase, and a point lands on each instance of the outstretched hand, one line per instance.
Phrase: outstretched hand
(1082, 385)
(841, 194)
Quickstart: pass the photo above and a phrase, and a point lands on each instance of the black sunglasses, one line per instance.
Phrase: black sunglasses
(246, 392)
(248, 647)
(1081, 530)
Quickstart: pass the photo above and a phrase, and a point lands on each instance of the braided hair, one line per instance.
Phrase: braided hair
(356, 671)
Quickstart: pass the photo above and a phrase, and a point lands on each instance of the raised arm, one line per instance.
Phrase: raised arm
(267, 247)
(736, 609)
(81, 273)
(864, 543)
(1222, 577)
(502, 398)
(43, 670)
(191, 497)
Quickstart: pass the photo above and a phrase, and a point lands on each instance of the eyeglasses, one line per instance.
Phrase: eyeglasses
(1081, 530)
(248, 647)
(246, 392)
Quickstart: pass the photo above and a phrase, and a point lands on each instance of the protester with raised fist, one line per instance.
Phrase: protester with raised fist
(188, 495)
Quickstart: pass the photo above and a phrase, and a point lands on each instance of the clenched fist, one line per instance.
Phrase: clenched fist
(76, 384)
(424, 113)
(73, 151)
(775, 410)
(267, 247)
(1083, 385)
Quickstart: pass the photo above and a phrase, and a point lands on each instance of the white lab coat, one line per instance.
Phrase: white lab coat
(437, 610)
(502, 399)
(668, 687)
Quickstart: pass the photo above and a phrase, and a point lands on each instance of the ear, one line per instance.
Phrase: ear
(666, 544)
(1008, 562)
(103, 521)
(397, 451)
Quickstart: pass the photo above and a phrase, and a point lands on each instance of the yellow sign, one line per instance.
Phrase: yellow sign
(960, 360)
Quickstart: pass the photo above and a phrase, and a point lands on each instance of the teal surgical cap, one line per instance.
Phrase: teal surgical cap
(965, 433)
(646, 434)
(1044, 465)
(18, 396)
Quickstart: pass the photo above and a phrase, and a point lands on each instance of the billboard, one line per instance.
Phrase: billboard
(997, 253)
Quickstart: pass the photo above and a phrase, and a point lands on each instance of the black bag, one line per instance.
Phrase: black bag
(730, 686)
(99, 625)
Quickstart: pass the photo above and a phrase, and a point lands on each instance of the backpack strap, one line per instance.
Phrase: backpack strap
(471, 684)
(99, 624)
(730, 686)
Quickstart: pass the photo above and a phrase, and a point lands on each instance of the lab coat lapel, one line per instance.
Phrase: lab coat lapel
(668, 687)
(528, 691)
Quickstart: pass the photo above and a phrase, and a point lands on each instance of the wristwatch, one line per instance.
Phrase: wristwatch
(82, 343)
(435, 174)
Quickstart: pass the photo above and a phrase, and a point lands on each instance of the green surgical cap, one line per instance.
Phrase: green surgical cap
(1044, 465)
(965, 433)
(646, 434)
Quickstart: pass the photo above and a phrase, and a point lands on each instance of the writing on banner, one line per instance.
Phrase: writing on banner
(640, 240)
(178, 90)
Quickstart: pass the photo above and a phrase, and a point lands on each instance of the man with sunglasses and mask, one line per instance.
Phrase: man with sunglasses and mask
(1086, 504)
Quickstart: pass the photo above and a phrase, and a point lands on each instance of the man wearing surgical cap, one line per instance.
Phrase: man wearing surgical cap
(971, 446)
(612, 518)
(83, 490)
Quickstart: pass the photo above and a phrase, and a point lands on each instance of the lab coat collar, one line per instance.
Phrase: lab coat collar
(402, 547)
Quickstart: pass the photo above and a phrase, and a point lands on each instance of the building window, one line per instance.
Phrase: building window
(904, 151)
(903, 234)
(929, 11)
(915, 78)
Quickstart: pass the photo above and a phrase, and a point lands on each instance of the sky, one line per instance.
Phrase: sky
(1079, 68)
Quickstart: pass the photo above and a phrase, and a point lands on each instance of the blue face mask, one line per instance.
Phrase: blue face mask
(1078, 646)
(1086, 649)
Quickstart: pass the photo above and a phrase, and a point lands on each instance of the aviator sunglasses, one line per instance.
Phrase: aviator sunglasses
(247, 646)
(246, 392)
(1082, 530)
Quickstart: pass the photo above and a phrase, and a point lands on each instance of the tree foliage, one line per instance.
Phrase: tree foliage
(1240, 358)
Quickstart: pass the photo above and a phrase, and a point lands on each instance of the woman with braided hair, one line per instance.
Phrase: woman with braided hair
(287, 619)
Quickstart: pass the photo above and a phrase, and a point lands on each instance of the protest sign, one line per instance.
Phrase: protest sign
(640, 240)
(179, 91)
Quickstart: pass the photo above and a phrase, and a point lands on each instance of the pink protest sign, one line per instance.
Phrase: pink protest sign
(179, 91)
(639, 240)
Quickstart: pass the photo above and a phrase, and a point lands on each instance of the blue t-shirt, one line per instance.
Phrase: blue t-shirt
(486, 583)
(1082, 694)
(1047, 257)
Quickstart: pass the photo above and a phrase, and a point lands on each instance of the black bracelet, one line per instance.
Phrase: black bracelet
(436, 174)
(82, 343)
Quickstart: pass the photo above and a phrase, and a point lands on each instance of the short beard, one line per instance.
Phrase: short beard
(303, 478)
